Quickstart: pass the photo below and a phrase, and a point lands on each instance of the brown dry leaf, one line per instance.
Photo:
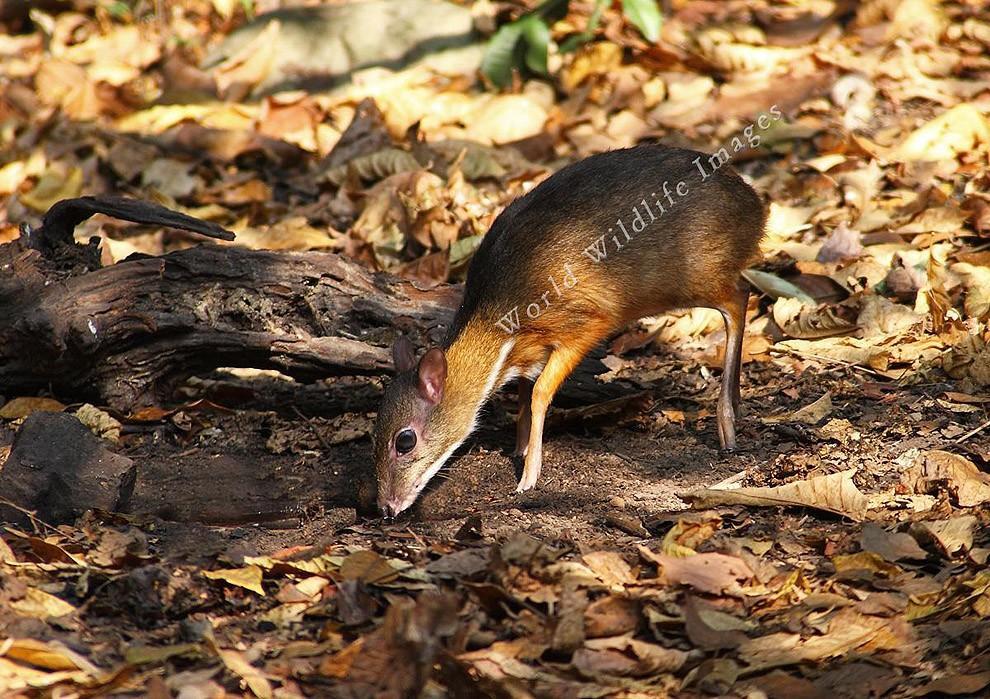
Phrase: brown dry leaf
(689, 532)
(847, 631)
(798, 320)
(568, 632)
(66, 85)
(611, 616)
(713, 573)
(625, 657)
(171, 178)
(953, 535)
(225, 8)
(811, 414)
(100, 422)
(610, 567)
(248, 577)
(976, 281)
(125, 46)
(879, 316)
(880, 356)
(843, 243)
(711, 629)
(53, 186)
(592, 59)
(938, 300)
(891, 546)
(41, 605)
(48, 549)
(51, 656)
(865, 561)
(368, 567)
(293, 233)
(834, 493)
(339, 665)
(506, 118)
(460, 564)
(970, 359)
(374, 166)
(254, 678)
(6, 553)
(231, 121)
(956, 684)
(962, 129)
(937, 219)
(17, 408)
(937, 469)
(240, 73)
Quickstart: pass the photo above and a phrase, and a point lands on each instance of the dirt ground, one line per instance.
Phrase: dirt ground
(211, 493)
(636, 469)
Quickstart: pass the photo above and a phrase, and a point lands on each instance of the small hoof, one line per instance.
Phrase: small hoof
(523, 487)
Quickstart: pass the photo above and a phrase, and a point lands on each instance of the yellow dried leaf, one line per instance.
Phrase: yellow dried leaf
(610, 567)
(256, 681)
(596, 58)
(368, 567)
(53, 186)
(41, 605)
(248, 577)
(225, 8)
(811, 414)
(976, 281)
(959, 130)
(18, 408)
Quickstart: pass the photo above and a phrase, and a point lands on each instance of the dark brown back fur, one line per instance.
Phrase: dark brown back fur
(690, 255)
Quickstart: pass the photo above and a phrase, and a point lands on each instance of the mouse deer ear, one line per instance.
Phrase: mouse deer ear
(403, 354)
(432, 375)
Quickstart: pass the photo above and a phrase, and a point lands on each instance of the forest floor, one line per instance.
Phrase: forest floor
(842, 551)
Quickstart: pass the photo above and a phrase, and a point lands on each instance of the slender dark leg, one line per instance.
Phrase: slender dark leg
(734, 314)
(525, 415)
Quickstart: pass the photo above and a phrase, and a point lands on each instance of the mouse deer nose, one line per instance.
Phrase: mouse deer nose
(388, 510)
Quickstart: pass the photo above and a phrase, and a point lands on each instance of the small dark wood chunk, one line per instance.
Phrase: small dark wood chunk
(60, 469)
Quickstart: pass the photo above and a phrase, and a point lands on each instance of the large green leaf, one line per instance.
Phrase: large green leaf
(499, 58)
(645, 15)
(537, 35)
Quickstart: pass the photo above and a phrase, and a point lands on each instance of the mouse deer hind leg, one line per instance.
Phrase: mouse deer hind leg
(733, 312)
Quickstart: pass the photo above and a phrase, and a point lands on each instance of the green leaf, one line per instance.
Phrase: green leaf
(571, 43)
(537, 36)
(645, 15)
(498, 61)
(574, 41)
(775, 287)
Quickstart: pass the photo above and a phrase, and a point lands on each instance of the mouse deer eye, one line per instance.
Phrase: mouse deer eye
(405, 440)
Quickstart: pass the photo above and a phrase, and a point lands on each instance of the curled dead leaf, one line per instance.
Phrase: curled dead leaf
(836, 493)
(713, 573)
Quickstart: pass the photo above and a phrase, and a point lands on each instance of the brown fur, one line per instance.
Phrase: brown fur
(691, 254)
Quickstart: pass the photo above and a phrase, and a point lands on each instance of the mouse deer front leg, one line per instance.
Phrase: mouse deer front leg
(562, 361)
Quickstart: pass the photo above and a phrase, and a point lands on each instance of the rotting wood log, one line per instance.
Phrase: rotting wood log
(127, 335)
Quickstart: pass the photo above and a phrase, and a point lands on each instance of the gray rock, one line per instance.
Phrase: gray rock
(60, 469)
(319, 47)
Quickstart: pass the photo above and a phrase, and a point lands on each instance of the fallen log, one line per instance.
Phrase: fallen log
(127, 335)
